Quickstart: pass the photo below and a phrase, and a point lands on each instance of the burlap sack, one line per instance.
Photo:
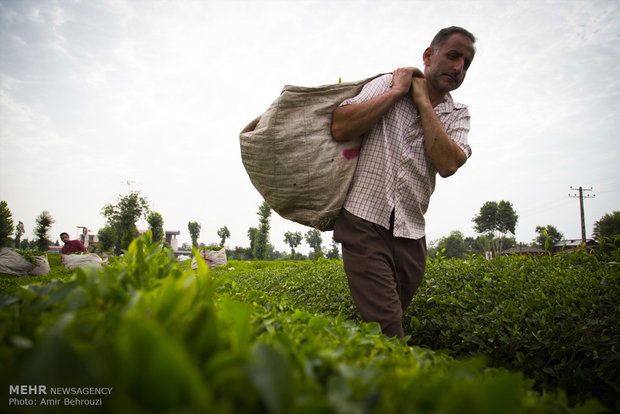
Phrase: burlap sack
(42, 268)
(212, 257)
(292, 159)
(13, 263)
(71, 261)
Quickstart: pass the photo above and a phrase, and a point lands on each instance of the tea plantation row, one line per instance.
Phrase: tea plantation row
(554, 318)
(169, 339)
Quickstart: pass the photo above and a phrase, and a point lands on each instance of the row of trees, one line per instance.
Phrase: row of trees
(194, 231)
(495, 225)
(41, 241)
(496, 221)
(121, 219)
(261, 249)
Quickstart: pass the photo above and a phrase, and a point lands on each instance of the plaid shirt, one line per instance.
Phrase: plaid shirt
(393, 171)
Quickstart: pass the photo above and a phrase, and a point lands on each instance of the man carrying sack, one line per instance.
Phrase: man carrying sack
(411, 129)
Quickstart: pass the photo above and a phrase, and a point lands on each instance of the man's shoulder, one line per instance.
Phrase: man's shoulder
(449, 105)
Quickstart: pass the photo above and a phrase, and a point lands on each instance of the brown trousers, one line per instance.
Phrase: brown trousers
(383, 271)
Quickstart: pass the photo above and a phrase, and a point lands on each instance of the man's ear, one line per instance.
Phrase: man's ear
(427, 56)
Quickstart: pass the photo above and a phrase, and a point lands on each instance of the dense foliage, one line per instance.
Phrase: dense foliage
(497, 220)
(44, 223)
(123, 216)
(260, 248)
(6, 224)
(167, 338)
(156, 225)
(554, 318)
(608, 226)
(194, 230)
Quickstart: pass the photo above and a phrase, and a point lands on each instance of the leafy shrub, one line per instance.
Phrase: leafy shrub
(173, 340)
(554, 318)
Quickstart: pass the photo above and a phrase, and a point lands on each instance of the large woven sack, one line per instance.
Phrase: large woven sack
(13, 263)
(42, 268)
(71, 261)
(292, 158)
(213, 258)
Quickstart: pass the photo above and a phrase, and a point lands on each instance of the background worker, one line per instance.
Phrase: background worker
(71, 246)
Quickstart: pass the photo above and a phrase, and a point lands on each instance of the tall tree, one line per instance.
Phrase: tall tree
(156, 226)
(607, 226)
(547, 237)
(334, 251)
(261, 240)
(194, 232)
(124, 215)
(496, 220)
(107, 238)
(252, 236)
(454, 245)
(479, 245)
(43, 224)
(6, 224)
(19, 232)
(314, 240)
(223, 233)
(293, 239)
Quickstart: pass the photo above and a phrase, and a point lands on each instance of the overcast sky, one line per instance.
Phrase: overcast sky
(94, 94)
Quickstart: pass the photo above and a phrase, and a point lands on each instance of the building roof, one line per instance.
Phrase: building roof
(522, 250)
(574, 242)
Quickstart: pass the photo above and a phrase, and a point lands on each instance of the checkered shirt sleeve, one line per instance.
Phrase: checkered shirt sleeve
(393, 170)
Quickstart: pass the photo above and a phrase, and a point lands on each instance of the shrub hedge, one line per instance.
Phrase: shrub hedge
(553, 318)
(168, 339)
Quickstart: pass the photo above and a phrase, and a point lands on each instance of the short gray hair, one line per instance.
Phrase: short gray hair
(441, 37)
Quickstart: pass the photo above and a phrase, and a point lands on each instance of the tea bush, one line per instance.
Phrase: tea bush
(168, 339)
(554, 318)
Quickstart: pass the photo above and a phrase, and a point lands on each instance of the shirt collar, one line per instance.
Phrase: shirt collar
(448, 105)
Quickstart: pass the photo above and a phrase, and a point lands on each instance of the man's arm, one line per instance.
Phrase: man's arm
(447, 157)
(352, 121)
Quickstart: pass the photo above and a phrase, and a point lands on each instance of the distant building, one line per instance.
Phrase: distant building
(566, 246)
(54, 249)
(523, 251)
(87, 238)
(170, 237)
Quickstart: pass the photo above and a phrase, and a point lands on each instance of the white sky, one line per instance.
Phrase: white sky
(97, 93)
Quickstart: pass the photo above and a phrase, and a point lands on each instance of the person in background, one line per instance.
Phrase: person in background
(412, 130)
(71, 246)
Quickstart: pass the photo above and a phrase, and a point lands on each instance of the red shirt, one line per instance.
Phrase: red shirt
(73, 246)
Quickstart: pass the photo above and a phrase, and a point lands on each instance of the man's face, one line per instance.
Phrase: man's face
(446, 69)
(64, 238)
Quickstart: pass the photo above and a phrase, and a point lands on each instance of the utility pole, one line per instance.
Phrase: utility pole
(581, 197)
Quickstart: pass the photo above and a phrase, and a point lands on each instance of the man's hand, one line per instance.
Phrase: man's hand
(351, 121)
(420, 91)
(402, 79)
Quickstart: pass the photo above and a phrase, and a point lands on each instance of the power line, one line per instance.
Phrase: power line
(581, 197)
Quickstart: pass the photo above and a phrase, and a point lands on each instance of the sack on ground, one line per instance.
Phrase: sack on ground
(293, 160)
(42, 268)
(13, 263)
(71, 261)
(213, 258)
